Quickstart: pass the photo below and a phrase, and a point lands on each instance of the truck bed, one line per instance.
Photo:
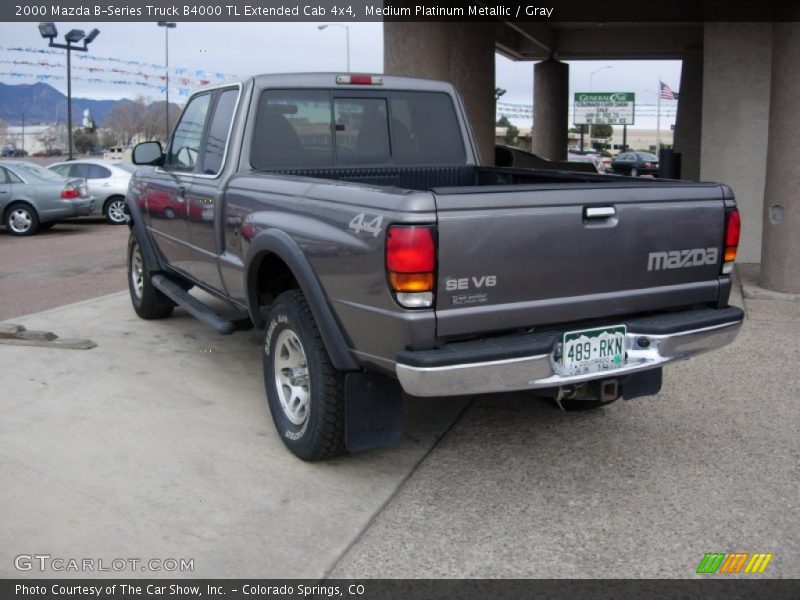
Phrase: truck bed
(424, 178)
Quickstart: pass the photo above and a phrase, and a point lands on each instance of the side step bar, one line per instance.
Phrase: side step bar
(194, 306)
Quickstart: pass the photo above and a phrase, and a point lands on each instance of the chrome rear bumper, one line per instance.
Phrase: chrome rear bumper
(543, 370)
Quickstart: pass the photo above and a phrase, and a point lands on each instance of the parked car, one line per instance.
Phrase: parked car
(508, 156)
(107, 182)
(378, 264)
(33, 198)
(635, 164)
(587, 156)
(11, 151)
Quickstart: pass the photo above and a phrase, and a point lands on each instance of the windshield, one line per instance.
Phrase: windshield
(647, 156)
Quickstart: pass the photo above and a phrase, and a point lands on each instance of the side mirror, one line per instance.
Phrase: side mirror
(148, 153)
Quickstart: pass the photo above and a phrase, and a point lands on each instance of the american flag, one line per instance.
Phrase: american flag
(667, 93)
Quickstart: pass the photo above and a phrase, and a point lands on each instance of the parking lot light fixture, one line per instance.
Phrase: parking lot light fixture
(48, 30)
(347, 37)
(74, 36)
(167, 25)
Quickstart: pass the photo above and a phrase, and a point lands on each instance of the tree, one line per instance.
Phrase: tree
(127, 120)
(512, 132)
(498, 92)
(602, 131)
(108, 139)
(84, 140)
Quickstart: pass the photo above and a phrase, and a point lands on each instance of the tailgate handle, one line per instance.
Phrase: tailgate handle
(600, 212)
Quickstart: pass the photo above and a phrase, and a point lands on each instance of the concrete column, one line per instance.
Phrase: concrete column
(737, 60)
(780, 251)
(461, 53)
(690, 114)
(550, 109)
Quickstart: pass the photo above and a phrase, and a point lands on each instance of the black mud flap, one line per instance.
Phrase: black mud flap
(373, 414)
(646, 383)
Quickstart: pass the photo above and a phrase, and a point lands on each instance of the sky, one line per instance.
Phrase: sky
(207, 51)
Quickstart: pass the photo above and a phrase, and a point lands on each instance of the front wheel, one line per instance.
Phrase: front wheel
(114, 210)
(305, 392)
(148, 302)
(22, 219)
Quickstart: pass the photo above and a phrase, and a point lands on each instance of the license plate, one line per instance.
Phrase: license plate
(592, 350)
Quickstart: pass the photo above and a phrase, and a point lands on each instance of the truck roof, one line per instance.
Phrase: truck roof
(329, 80)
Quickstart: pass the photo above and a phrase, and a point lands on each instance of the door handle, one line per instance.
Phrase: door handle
(600, 212)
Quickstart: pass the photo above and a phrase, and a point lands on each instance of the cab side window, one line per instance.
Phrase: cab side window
(185, 147)
(218, 131)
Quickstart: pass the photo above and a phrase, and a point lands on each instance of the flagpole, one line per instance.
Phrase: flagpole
(658, 119)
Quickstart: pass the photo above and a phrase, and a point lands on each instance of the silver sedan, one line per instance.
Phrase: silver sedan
(107, 181)
(33, 198)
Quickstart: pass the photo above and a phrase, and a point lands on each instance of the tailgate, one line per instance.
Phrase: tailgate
(533, 255)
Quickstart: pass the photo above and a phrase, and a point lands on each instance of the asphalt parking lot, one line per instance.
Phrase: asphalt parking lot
(158, 444)
(75, 260)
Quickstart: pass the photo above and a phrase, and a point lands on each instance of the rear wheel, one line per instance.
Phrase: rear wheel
(22, 219)
(305, 392)
(148, 302)
(114, 210)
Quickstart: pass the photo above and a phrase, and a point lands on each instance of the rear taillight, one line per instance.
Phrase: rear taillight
(411, 264)
(733, 228)
(69, 192)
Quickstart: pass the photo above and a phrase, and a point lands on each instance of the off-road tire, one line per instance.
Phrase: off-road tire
(320, 434)
(148, 302)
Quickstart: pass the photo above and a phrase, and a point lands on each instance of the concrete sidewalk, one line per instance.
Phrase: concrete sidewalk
(158, 444)
(638, 489)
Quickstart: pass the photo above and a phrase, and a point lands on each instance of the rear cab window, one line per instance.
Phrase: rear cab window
(324, 128)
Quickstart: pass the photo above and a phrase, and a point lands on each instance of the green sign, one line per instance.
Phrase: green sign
(604, 108)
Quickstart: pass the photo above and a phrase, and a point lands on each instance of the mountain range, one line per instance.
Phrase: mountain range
(42, 103)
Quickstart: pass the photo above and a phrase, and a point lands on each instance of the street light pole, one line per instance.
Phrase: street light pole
(347, 38)
(167, 25)
(49, 31)
(591, 85)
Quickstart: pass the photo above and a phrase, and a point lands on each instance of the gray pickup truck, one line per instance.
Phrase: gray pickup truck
(349, 218)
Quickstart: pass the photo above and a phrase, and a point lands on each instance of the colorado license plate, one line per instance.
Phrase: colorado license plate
(591, 350)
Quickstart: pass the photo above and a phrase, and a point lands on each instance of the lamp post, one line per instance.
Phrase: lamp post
(347, 34)
(591, 85)
(593, 73)
(167, 25)
(73, 36)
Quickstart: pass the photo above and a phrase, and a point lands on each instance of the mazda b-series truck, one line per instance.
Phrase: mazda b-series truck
(348, 216)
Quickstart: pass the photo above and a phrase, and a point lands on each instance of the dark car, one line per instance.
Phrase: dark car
(635, 164)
